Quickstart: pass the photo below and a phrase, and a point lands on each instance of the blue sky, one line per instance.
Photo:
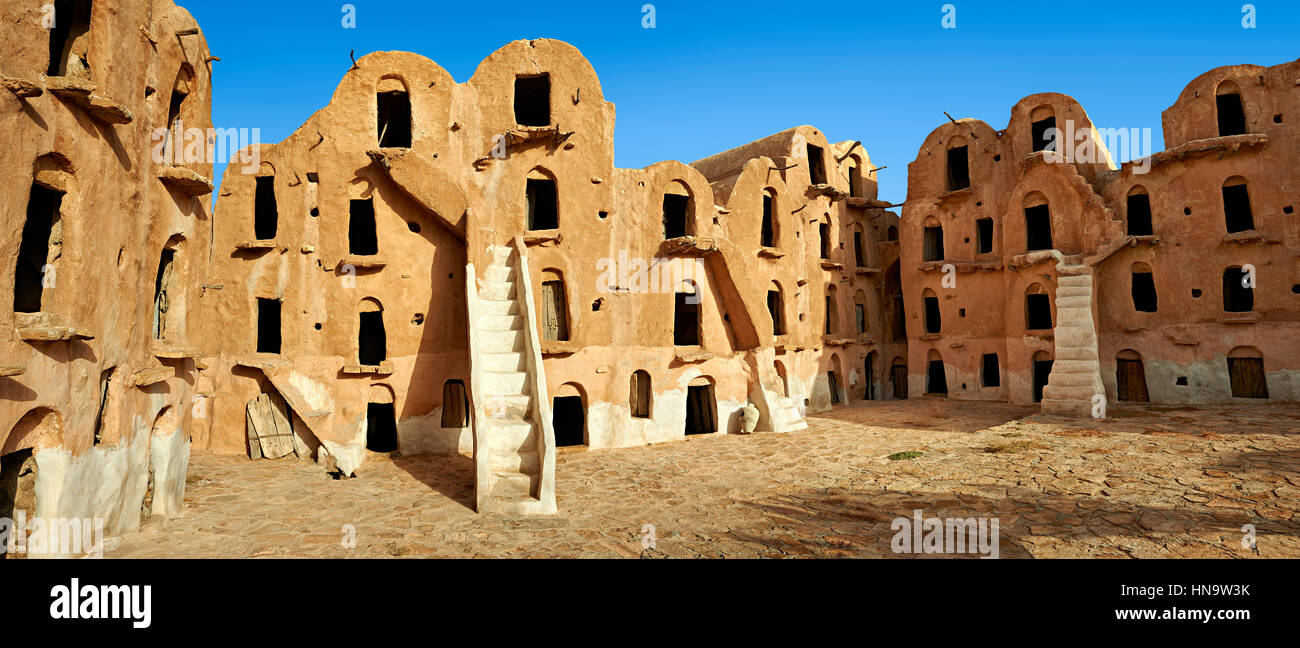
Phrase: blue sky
(713, 75)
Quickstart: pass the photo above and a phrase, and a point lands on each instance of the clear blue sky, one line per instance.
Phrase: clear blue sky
(717, 74)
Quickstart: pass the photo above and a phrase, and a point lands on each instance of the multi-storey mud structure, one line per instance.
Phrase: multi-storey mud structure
(104, 242)
(1036, 269)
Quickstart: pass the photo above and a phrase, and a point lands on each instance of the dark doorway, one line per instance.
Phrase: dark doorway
(855, 181)
(455, 405)
(381, 427)
(824, 240)
(161, 302)
(1247, 377)
(933, 321)
(543, 205)
(958, 168)
(1044, 136)
(1139, 215)
(769, 232)
(266, 215)
(898, 376)
(701, 413)
(71, 22)
(1038, 312)
(1144, 292)
(533, 100)
(676, 212)
(833, 382)
(984, 236)
(1038, 228)
(362, 238)
(1237, 298)
(105, 380)
(268, 325)
(778, 316)
(1236, 209)
(859, 252)
(641, 394)
(869, 376)
(394, 110)
(1131, 381)
(933, 244)
(1042, 371)
(816, 165)
(936, 382)
(1232, 115)
(991, 372)
(568, 417)
(686, 319)
(34, 251)
(17, 486)
(372, 341)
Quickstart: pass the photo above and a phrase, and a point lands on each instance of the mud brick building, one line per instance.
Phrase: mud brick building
(103, 249)
(433, 266)
(1169, 279)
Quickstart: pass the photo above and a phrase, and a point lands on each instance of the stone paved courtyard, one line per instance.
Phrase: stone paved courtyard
(1158, 481)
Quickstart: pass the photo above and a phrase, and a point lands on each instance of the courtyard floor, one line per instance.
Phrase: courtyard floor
(1151, 482)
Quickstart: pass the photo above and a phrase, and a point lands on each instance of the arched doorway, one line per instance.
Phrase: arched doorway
(1131, 377)
(1042, 367)
(569, 416)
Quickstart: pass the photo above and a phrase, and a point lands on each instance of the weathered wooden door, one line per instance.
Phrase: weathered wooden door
(898, 374)
(1131, 381)
(1247, 376)
(555, 325)
(270, 432)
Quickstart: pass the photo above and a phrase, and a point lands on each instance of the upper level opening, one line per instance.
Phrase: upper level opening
(678, 210)
(1139, 212)
(1038, 223)
(816, 165)
(393, 107)
(1043, 129)
(958, 168)
(543, 201)
(1237, 214)
(533, 100)
(70, 39)
(1230, 109)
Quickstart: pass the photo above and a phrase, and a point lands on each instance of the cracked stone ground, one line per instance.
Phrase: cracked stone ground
(1151, 482)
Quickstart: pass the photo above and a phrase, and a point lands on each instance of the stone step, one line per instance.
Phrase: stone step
(502, 273)
(1073, 337)
(1077, 409)
(498, 307)
(1074, 281)
(507, 485)
(1073, 291)
(500, 322)
(506, 383)
(501, 341)
(500, 290)
(1081, 393)
(1073, 380)
(525, 462)
(512, 436)
(1064, 354)
(508, 407)
(504, 362)
(500, 253)
(1070, 303)
(1072, 367)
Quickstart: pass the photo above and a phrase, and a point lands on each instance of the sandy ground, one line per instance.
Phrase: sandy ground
(1156, 481)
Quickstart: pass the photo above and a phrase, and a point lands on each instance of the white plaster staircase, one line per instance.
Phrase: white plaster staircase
(514, 443)
(777, 413)
(1076, 370)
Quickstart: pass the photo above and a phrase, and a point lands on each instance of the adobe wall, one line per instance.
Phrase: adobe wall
(1188, 338)
(617, 323)
(92, 141)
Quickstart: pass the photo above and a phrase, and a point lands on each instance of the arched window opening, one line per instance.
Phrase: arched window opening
(363, 237)
(1238, 292)
(70, 39)
(533, 100)
(1236, 206)
(543, 201)
(455, 405)
(1230, 109)
(372, 340)
(40, 248)
(555, 307)
(1139, 213)
(1144, 289)
(936, 379)
(686, 315)
(933, 319)
(1038, 309)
